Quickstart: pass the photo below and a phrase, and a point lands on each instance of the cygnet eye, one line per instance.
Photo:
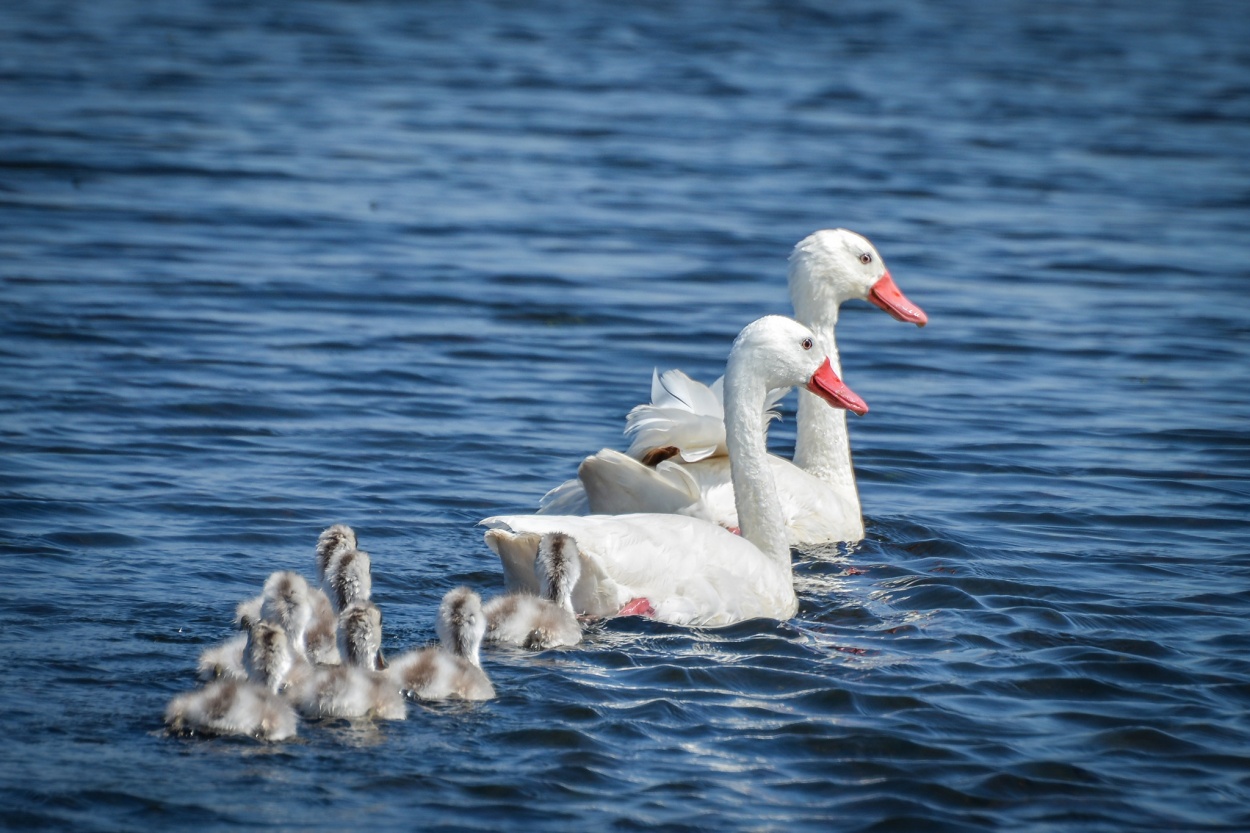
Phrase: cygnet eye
(865, 258)
(807, 344)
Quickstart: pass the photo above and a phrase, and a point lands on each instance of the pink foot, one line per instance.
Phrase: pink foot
(734, 529)
(637, 607)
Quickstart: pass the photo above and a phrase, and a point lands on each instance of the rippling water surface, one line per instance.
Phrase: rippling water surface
(402, 265)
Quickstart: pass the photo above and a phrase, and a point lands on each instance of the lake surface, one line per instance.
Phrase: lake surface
(402, 265)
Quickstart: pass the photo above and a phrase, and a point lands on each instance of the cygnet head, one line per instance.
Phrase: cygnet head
(348, 578)
(360, 636)
(287, 601)
(267, 656)
(558, 567)
(834, 265)
(461, 623)
(337, 539)
(778, 352)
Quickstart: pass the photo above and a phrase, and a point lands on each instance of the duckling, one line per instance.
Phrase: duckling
(232, 707)
(452, 669)
(352, 689)
(226, 659)
(537, 623)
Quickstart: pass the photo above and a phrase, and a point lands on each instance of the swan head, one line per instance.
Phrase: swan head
(834, 265)
(558, 567)
(779, 352)
(360, 636)
(461, 623)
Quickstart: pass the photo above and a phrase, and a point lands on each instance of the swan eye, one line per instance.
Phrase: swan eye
(865, 258)
(807, 344)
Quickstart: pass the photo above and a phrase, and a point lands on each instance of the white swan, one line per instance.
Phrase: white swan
(537, 623)
(682, 432)
(453, 669)
(690, 570)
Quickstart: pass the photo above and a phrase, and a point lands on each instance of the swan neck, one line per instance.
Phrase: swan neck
(755, 490)
(822, 445)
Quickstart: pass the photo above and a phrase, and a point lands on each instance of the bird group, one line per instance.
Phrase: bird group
(315, 651)
(692, 525)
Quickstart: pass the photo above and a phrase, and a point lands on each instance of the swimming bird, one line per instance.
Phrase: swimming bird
(355, 688)
(232, 707)
(547, 620)
(360, 636)
(452, 670)
(681, 435)
(690, 570)
(268, 657)
(226, 658)
(344, 570)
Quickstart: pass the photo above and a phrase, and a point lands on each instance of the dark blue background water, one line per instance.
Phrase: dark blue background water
(402, 265)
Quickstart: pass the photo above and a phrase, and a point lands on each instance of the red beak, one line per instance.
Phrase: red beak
(826, 384)
(886, 294)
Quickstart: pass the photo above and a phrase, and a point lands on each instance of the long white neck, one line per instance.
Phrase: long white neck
(755, 489)
(822, 447)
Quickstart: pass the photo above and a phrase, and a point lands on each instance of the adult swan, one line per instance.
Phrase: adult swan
(689, 570)
(680, 436)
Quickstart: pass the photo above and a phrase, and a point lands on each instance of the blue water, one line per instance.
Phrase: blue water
(401, 265)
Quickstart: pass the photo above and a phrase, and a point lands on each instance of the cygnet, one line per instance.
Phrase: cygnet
(360, 636)
(343, 569)
(452, 669)
(332, 542)
(537, 623)
(226, 659)
(353, 689)
(288, 603)
(267, 656)
(232, 707)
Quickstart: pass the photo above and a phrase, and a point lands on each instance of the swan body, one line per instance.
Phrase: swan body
(451, 670)
(683, 424)
(537, 623)
(232, 707)
(693, 571)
